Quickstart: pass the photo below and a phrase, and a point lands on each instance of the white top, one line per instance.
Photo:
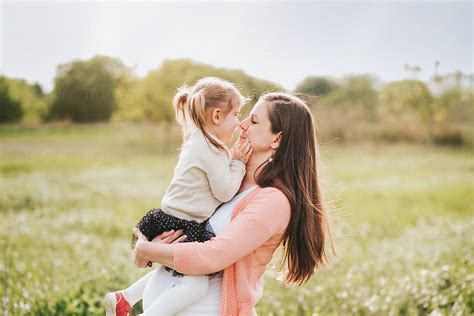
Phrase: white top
(204, 178)
(223, 214)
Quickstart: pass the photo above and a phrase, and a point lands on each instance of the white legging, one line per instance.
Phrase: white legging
(164, 295)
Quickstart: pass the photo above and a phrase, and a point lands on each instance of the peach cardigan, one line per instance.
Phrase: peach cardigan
(243, 250)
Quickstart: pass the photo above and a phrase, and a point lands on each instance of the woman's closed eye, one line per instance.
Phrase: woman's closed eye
(253, 119)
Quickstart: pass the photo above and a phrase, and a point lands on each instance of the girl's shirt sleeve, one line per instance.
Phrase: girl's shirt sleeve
(224, 175)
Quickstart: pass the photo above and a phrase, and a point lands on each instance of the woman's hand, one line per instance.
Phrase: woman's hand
(140, 260)
(169, 237)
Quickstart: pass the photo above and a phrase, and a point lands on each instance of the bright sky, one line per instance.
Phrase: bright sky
(282, 42)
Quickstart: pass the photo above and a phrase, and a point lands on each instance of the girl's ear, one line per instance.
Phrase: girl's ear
(216, 115)
(276, 142)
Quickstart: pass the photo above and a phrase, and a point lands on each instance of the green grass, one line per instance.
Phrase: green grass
(402, 216)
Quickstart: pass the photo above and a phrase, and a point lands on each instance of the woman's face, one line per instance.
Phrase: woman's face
(257, 128)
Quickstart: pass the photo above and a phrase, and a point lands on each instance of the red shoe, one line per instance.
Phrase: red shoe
(116, 305)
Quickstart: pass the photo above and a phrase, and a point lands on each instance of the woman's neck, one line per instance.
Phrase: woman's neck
(249, 179)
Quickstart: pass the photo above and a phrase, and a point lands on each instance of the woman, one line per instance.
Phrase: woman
(283, 204)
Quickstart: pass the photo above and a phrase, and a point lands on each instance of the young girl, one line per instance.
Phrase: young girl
(206, 175)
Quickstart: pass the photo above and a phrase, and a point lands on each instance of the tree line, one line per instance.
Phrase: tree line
(103, 89)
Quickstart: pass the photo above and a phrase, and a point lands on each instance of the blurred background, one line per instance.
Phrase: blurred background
(88, 142)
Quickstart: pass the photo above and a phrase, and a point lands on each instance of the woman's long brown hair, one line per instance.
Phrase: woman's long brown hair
(293, 170)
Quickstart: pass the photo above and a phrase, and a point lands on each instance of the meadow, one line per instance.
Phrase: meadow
(402, 214)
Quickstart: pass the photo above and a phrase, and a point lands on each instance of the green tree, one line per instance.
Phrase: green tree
(150, 98)
(356, 92)
(409, 95)
(414, 70)
(34, 102)
(454, 104)
(84, 91)
(316, 86)
(10, 109)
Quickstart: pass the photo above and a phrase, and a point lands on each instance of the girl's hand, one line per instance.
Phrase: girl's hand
(242, 151)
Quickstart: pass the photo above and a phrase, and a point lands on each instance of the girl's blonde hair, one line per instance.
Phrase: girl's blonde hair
(191, 104)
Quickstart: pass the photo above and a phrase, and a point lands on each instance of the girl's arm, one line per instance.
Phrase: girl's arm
(266, 214)
(224, 178)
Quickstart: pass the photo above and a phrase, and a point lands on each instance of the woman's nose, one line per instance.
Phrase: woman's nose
(243, 126)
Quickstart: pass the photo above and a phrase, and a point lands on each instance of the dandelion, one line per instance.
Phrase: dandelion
(20, 267)
(436, 312)
(382, 281)
(372, 303)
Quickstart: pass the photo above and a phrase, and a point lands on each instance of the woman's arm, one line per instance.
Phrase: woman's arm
(266, 214)
(146, 251)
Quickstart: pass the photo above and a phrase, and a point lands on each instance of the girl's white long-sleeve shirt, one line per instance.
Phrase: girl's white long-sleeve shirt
(204, 178)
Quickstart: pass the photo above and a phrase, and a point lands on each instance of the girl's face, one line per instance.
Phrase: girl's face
(257, 129)
(227, 125)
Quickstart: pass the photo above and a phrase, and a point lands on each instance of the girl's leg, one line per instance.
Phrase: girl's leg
(157, 284)
(134, 292)
(176, 295)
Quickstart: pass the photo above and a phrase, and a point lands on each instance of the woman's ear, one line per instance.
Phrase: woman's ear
(216, 115)
(276, 142)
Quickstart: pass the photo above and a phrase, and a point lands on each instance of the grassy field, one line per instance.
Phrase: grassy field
(70, 195)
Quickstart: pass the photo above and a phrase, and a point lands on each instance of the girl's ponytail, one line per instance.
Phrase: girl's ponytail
(181, 108)
(197, 106)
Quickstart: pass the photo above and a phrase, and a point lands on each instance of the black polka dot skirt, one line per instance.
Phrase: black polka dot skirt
(156, 222)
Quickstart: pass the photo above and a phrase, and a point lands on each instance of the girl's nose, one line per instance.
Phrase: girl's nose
(243, 126)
